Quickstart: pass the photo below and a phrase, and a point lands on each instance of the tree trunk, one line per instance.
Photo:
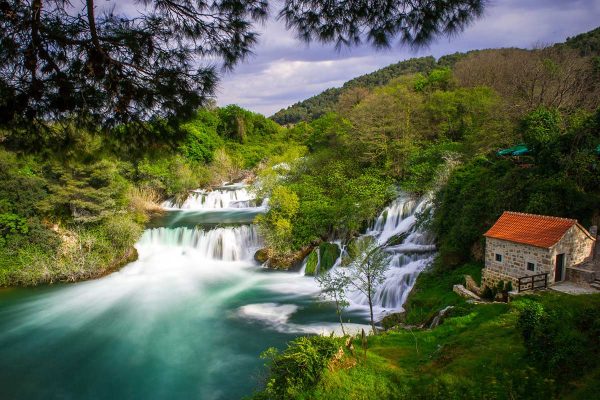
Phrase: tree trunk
(339, 312)
(369, 296)
(371, 311)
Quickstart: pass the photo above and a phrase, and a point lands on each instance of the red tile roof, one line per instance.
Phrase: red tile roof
(531, 229)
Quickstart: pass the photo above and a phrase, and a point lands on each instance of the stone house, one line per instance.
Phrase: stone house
(522, 245)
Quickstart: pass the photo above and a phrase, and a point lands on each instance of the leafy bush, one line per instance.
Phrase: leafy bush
(276, 225)
(299, 367)
(121, 232)
(12, 224)
(200, 143)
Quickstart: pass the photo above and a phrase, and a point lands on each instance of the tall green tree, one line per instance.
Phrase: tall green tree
(333, 287)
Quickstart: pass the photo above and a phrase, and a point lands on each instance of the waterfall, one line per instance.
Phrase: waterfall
(224, 197)
(394, 219)
(220, 244)
(399, 281)
(413, 251)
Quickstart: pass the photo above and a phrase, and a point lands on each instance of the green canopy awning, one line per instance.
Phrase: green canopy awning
(517, 150)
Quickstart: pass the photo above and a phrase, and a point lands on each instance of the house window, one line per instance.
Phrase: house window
(530, 266)
(498, 257)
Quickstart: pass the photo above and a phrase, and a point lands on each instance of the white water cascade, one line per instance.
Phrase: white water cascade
(220, 244)
(411, 255)
(225, 197)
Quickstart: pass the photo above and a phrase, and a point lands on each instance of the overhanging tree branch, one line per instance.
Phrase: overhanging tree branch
(163, 60)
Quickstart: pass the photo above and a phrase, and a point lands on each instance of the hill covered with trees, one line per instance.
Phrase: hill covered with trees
(587, 44)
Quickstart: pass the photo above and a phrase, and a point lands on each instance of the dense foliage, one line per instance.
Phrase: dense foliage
(73, 201)
(560, 177)
(562, 337)
(298, 367)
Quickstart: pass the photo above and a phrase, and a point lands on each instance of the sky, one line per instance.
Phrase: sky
(284, 70)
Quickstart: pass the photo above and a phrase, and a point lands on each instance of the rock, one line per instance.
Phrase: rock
(439, 317)
(392, 320)
(262, 255)
(312, 263)
(286, 261)
(329, 253)
(463, 292)
(396, 239)
(471, 285)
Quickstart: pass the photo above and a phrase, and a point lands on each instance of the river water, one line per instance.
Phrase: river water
(189, 318)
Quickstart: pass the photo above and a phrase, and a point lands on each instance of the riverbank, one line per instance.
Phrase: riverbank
(477, 352)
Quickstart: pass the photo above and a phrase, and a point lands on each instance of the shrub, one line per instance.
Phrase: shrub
(299, 367)
(121, 231)
(200, 143)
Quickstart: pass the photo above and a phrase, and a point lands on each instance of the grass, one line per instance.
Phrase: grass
(464, 351)
(433, 292)
(477, 354)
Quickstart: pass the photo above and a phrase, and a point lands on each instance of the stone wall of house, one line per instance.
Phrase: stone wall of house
(575, 245)
(490, 278)
(515, 257)
(579, 275)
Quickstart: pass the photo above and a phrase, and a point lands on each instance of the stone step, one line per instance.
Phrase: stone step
(595, 285)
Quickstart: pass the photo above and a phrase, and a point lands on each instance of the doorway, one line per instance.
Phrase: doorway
(559, 268)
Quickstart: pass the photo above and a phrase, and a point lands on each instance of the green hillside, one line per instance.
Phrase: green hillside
(315, 106)
(588, 44)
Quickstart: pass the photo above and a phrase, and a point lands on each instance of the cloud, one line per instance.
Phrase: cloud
(285, 70)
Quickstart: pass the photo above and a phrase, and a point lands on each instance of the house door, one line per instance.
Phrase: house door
(560, 267)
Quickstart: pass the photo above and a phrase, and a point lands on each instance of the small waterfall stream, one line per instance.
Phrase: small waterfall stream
(219, 244)
(411, 248)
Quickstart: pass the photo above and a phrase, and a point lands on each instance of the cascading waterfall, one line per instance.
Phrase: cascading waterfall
(411, 255)
(219, 244)
(395, 219)
(226, 197)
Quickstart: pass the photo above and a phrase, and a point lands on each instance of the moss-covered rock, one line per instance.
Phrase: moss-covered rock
(312, 263)
(396, 239)
(283, 261)
(329, 253)
(392, 320)
(262, 255)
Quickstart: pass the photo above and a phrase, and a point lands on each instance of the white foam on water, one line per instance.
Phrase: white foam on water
(270, 313)
(277, 317)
